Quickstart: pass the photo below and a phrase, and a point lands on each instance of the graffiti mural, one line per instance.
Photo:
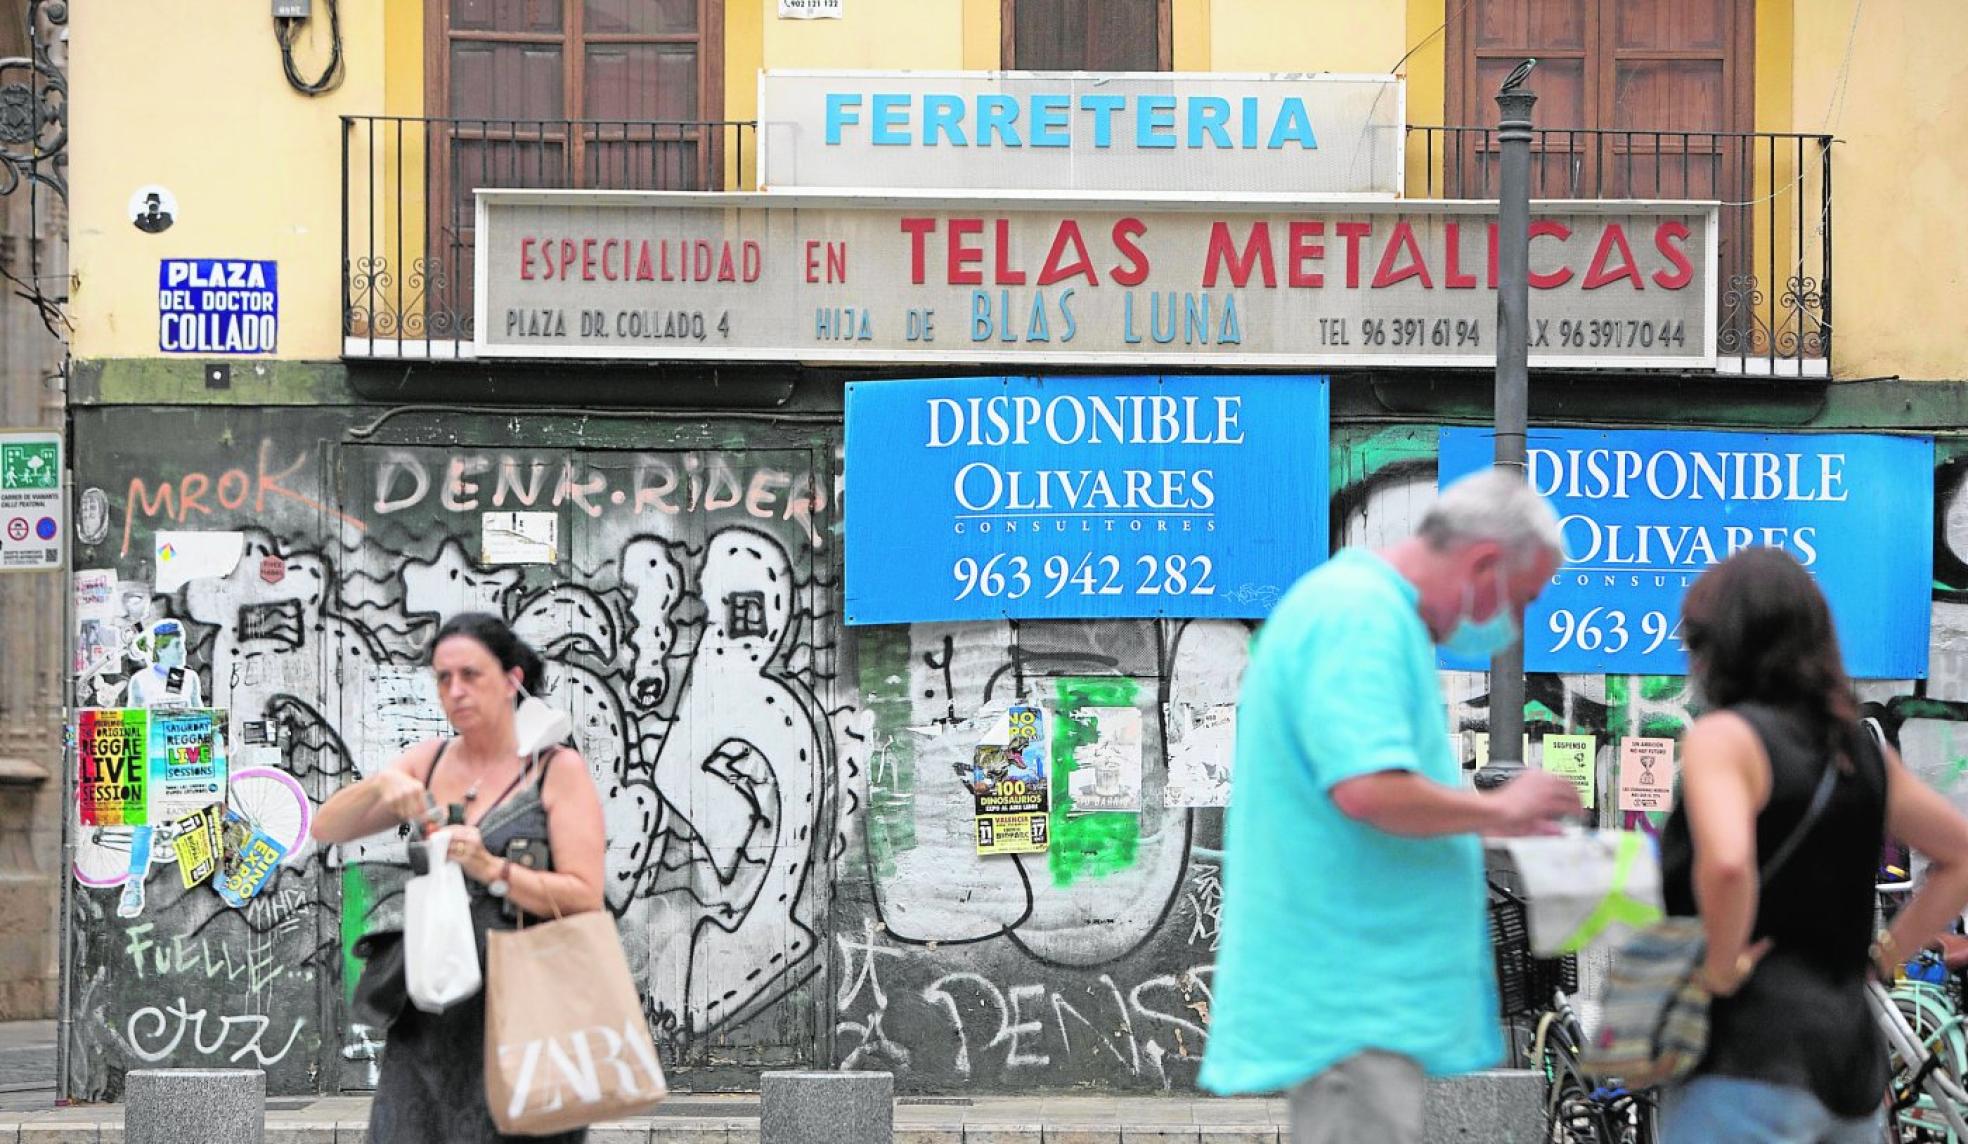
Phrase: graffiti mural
(791, 852)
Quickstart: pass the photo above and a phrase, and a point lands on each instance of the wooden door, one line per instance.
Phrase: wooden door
(1087, 35)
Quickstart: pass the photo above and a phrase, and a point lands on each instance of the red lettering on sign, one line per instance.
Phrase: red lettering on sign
(1222, 251)
(1668, 239)
(1300, 238)
(1598, 274)
(1452, 275)
(526, 259)
(962, 257)
(1353, 232)
(1387, 274)
(1136, 272)
(1541, 228)
(1005, 274)
(1068, 234)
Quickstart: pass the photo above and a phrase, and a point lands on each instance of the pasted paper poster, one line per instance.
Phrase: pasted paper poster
(247, 861)
(197, 845)
(519, 538)
(1011, 785)
(1107, 772)
(1201, 741)
(95, 619)
(1480, 743)
(1646, 774)
(186, 556)
(1571, 757)
(187, 762)
(112, 755)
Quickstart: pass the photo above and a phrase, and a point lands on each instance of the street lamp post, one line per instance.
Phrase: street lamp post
(1512, 385)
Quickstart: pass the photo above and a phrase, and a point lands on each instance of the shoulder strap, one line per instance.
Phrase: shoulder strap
(1818, 800)
(443, 745)
(545, 761)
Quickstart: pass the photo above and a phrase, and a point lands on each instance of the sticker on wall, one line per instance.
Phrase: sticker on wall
(186, 556)
(1011, 784)
(1570, 756)
(519, 538)
(810, 9)
(92, 516)
(248, 858)
(1107, 775)
(218, 306)
(112, 759)
(1646, 774)
(163, 679)
(1480, 744)
(187, 763)
(95, 619)
(1201, 742)
(153, 209)
(196, 845)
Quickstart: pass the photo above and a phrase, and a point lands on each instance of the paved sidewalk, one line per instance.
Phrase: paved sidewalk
(733, 1119)
(27, 1066)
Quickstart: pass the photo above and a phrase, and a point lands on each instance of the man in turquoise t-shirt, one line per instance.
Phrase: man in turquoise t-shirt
(1355, 955)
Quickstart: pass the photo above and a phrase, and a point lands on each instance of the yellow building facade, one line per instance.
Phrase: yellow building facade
(790, 793)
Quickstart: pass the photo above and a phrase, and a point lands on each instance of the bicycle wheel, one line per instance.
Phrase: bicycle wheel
(272, 802)
(1919, 1020)
(102, 853)
(1571, 1113)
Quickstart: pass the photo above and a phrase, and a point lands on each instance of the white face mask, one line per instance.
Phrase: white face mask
(537, 726)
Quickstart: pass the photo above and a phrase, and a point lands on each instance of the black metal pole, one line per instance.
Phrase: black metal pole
(1512, 387)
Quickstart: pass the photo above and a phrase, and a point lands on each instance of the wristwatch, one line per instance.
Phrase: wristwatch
(500, 886)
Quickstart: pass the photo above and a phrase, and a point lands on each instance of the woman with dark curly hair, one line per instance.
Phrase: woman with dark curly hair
(432, 1087)
(1794, 1056)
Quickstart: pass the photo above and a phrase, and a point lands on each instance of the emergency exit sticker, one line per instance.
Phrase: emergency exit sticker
(218, 306)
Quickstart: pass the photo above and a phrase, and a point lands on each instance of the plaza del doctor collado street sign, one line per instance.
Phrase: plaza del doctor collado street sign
(1103, 282)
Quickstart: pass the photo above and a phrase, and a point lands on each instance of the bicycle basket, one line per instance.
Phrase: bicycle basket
(1524, 983)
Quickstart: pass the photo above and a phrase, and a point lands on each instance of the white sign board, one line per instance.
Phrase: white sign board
(1135, 133)
(33, 514)
(677, 275)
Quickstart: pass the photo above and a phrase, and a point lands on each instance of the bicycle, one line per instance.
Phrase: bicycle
(1579, 1108)
(1926, 1041)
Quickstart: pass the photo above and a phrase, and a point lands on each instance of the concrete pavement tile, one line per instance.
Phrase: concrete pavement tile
(110, 1134)
(741, 1131)
(309, 1130)
(352, 1132)
(1239, 1134)
(687, 1131)
(55, 1132)
(619, 1132)
(1057, 1133)
(1160, 1134)
(1231, 1112)
(914, 1135)
(9, 1132)
(1016, 1110)
(1003, 1134)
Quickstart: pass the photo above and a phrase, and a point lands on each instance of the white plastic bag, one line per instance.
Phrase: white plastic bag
(1586, 886)
(440, 952)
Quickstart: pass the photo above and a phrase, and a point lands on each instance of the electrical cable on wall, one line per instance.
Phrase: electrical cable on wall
(286, 28)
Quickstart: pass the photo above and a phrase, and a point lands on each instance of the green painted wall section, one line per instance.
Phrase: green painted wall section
(884, 676)
(1088, 845)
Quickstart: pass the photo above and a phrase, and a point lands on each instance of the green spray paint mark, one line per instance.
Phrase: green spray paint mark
(355, 917)
(1091, 845)
(1656, 688)
(1354, 459)
(883, 653)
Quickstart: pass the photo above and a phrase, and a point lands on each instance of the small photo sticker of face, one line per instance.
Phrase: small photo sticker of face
(153, 209)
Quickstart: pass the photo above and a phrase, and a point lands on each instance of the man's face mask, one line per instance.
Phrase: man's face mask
(1481, 639)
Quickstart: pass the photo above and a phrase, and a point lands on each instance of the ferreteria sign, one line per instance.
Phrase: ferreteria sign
(1131, 133)
(592, 274)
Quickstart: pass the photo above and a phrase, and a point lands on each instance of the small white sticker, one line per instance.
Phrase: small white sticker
(153, 209)
(520, 538)
(810, 9)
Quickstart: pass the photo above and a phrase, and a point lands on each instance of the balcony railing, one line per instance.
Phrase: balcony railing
(1774, 313)
(408, 221)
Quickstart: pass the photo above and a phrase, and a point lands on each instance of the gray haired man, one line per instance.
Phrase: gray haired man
(1355, 955)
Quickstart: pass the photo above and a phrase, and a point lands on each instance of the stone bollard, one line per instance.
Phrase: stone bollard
(212, 1106)
(804, 1107)
(1499, 1106)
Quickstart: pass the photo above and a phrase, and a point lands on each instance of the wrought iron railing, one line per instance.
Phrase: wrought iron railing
(408, 219)
(1774, 278)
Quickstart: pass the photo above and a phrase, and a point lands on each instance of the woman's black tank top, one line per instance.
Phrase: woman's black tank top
(1802, 1018)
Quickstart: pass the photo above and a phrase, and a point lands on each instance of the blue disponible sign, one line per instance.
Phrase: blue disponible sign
(218, 306)
(1646, 511)
(992, 498)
